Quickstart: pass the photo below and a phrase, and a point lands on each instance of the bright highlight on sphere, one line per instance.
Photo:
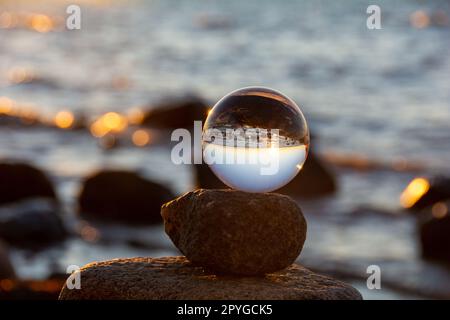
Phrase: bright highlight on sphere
(255, 139)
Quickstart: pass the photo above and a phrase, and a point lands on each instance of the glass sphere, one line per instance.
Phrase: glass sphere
(255, 139)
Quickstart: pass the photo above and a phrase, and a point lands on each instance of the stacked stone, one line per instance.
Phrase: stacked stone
(237, 246)
(234, 232)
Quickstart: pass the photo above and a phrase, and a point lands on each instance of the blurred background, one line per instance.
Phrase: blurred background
(86, 116)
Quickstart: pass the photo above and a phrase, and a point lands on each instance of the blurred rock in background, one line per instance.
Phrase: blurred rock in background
(314, 180)
(177, 113)
(434, 229)
(122, 196)
(6, 268)
(21, 181)
(32, 223)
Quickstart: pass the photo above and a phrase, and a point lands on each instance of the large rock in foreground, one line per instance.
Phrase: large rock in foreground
(236, 232)
(175, 278)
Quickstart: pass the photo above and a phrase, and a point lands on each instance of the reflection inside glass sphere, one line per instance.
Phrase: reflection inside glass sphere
(255, 139)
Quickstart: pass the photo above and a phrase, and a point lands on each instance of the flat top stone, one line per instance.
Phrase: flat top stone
(172, 278)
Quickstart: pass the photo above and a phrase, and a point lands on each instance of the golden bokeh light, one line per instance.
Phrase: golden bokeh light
(439, 210)
(41, 23)
(114, 122)
(64, 119)
(140, 138)
(135, 116)
(414, 191)
(98, 130)
(109, 122)
(419, 19)
(6, 105)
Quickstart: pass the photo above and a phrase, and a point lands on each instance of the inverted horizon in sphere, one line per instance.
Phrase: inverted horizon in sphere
(255, 169)
(238, 127)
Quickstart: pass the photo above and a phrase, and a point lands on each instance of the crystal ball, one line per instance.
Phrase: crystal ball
(255, 139)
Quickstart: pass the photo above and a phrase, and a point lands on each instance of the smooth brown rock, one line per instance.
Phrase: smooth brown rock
(176, 278)
(236, 232)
